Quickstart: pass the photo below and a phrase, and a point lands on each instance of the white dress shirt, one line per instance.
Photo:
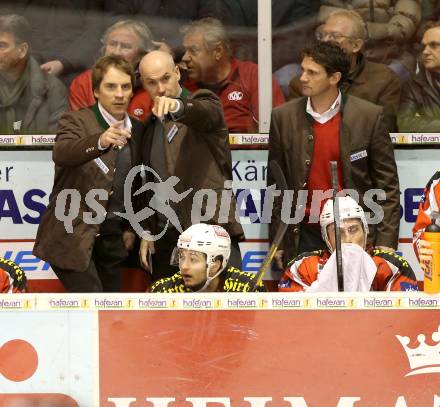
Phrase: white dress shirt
(327, 115)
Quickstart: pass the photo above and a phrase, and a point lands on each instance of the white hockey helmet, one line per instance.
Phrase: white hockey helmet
(348, 209)
(212, 240)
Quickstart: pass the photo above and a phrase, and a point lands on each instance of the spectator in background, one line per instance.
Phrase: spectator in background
(420, 102)
(293, 23)
(65, 34)
(309, 132)
(363, 269)
(391, 26)
(12, 278)
(367, 80)
(95, 149)
(131, 40)
(31, 100)
(163, 17)
(209, 64)
(192, 144)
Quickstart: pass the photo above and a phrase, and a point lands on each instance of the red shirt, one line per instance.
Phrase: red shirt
(81, 96)
(238, 94)
(326, 149)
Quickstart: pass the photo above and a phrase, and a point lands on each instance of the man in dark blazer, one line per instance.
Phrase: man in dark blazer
(326, 125)
(95, 149)
(419, 110)
(186, 137)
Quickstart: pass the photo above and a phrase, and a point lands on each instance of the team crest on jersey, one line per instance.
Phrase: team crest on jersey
(285, 283)
(138, 112)
(235, 95)
(406, 286)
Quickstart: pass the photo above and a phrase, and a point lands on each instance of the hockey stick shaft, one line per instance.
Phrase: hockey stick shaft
(337, 222)
(281, 183)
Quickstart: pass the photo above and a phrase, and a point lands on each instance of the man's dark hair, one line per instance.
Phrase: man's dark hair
(331, 56)
(430, 24)
(17, 26)
(103, 64)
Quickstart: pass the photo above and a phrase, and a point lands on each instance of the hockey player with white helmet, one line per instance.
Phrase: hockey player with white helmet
(354, 227)
(365, 269)
(202, 254)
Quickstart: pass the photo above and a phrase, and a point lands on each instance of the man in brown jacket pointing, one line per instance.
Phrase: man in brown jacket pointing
(80, 235)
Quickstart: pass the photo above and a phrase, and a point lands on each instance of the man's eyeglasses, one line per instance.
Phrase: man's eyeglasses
(123, 45)
(331, 36)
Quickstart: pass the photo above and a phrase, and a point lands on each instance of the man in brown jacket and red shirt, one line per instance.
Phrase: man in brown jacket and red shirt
(326, 125)
(80, 234)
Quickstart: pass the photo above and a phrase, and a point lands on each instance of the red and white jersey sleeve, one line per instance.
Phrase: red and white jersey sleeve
(12, 278)
(393, 272)
(430, 203)
(303, 271)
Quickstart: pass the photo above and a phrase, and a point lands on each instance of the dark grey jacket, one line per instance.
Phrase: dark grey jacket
(47, 100)
(419, 110)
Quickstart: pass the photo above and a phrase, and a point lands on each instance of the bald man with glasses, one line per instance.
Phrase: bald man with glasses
(371, 81)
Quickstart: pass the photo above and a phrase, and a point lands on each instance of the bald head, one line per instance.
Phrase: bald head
(352, 21)
(347, 29)
(155, 59)
(160, 75)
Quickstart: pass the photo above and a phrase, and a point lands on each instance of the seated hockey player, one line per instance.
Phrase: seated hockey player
(12, 278)
(429, 210)
(371, 270)
(202, 254)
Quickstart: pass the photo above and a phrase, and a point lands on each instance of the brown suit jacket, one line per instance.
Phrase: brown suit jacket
(199, 155)
(75, 149)
(370, 81)
(291, 144)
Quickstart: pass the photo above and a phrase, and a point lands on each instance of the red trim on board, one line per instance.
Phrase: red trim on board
(248, 146)
(45, 286)
(16, 240)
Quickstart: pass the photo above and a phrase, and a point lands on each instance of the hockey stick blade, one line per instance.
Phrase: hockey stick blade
(281, 184)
